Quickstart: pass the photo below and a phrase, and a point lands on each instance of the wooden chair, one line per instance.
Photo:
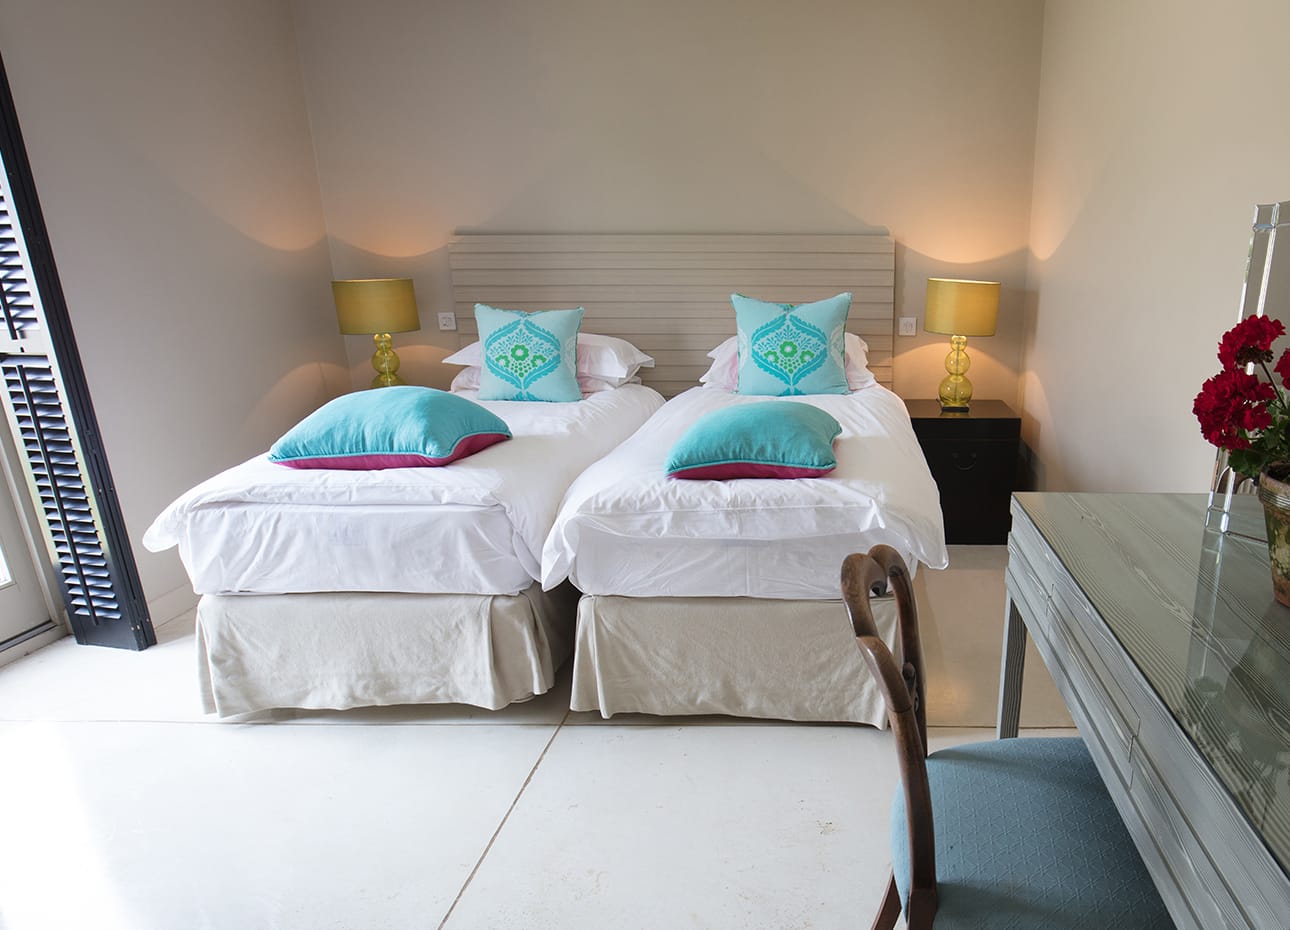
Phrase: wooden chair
(1025, 835)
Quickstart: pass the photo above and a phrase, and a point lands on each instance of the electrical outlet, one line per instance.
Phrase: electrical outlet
(908, 325)
(447, 321)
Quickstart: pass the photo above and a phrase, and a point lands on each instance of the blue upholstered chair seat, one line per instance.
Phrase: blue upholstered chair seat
(1027, 837)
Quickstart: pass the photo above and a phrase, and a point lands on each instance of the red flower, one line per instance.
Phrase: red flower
(1283, 368)
(1231, 404)
(1249, 341)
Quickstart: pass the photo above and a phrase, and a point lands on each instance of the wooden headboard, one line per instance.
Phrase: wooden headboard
(670, 294)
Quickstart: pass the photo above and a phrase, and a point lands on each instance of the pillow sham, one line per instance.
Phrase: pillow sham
(724, 371)
(787, 349)
(468, 380)
(529, 356)
(772, 439)
(404, 426)
(605, 358)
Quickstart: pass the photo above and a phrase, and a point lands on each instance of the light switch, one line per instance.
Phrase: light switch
(447, 321)
(908, 325)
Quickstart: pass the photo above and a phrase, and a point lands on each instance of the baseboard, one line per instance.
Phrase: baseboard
(171, 605)
(28, 646)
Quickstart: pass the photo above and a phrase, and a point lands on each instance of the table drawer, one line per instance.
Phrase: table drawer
(1109, 735)
(1081, 627)
(1030, 572)
(1163, 833)
(1186, 798)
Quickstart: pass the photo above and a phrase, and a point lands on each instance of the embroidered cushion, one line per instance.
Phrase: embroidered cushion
(773, 439)
(792, 349)
(602, 358)
(528, 356)
(391, 427)
(723, 373)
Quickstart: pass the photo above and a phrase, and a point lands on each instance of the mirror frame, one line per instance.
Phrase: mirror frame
(1270, 219)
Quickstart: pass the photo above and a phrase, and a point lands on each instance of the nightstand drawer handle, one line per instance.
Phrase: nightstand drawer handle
(964, 461)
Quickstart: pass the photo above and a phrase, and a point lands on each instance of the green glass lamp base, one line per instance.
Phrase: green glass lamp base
(955, 391)
(386, 362)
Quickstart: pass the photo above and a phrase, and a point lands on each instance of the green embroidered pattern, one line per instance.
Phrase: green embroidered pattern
(789, 348)
(521, 354)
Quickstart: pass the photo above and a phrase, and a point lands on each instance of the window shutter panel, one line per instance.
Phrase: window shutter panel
(47, 403)
(15, 293)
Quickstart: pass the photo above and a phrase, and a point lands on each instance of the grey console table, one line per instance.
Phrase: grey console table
(1174, 660)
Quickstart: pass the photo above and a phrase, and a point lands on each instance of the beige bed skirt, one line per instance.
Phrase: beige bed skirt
(746, 657)
(342, 650)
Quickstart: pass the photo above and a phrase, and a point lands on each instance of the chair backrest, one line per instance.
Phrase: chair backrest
(902, 685)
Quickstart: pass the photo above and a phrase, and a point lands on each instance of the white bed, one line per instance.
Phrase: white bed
(626, 529)
(722, 596)
(335, 589)
(473, 527)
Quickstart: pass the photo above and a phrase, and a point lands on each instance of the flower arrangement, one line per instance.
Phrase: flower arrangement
(1241, 412)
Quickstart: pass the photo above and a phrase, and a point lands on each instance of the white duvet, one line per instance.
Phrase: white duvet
(473, 527)
(625, 528)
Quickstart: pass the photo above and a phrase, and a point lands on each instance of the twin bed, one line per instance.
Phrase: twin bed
(335, 589)
(722, 596)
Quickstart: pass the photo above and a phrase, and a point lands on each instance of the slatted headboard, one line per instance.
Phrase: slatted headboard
(670, 294)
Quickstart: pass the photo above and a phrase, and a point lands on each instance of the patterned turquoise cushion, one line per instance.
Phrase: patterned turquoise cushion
(787, 349)
(529, 356)
(1027, 837)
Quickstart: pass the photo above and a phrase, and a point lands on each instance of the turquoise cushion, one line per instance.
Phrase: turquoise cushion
(1027, 837)
(390, 427)
(773, 439)
(787, 349)
(529, 356)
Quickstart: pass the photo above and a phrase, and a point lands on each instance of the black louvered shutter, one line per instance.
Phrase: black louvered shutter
(48, 406)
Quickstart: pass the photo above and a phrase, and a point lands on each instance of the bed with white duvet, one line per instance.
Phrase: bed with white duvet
(476, 526)
(333, 589)
(721, 597)
(627, 529)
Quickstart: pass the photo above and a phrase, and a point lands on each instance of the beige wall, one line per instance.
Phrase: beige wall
(170, 146)
(1161, 124)
(675, 116)
(174, 144)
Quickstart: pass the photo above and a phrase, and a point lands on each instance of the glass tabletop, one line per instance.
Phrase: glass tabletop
(1194, 611)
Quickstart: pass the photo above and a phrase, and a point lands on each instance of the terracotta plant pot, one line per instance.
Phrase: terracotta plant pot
(1274, 493)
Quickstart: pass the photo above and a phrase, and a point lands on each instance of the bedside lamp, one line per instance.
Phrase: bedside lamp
(377, 307)
(959, 309)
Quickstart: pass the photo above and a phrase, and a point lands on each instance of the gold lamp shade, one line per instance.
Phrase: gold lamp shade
(960, 309)
(377, 306)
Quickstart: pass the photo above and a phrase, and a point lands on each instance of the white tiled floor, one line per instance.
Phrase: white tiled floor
(124, 808)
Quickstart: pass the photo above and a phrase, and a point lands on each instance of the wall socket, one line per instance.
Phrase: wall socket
(908, 325)
(447, 321)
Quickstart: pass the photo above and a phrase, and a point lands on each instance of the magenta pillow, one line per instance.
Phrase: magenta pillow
(771, 439)
(391, 427)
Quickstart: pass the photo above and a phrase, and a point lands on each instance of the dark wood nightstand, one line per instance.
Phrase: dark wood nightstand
(973, 457)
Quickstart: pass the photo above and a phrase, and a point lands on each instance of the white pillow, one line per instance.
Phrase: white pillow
(603, 358)
(724, 371)
(468, 380)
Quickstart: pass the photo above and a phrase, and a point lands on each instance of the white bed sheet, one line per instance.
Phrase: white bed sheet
(473, 527)
(627, 529)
